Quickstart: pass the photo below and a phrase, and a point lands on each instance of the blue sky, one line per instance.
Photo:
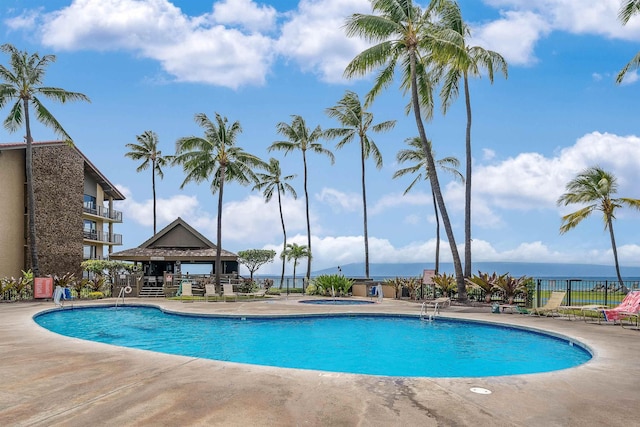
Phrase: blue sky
(154, 64)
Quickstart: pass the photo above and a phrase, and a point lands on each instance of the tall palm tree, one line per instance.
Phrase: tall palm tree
(465, 61)
(403, 33)
(293, 251)
(22, 82)
(357, 123)
(628, 8)
(272, 180)
(216, 157)
(416, 155)
(595, 188)
(147, 151)
(300, 137)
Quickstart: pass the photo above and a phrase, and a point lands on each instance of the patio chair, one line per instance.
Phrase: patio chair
(210, 292)
(227, 291)
(186, 291)
(552, 305)
(629, 307)
(438, 303)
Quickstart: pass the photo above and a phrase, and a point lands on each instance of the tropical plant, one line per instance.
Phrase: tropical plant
(595, 188)
(294, 252)
(413, 284)
(300, 137)
(337, 283)
(486, 283)
(22, 82)
(459, 64)
(628, 8)
(447, 284)
(6, 287)
(416, 155)
(147, 150)
(216, 157)
(22, 288)
(357, 122)
(511, 286)
(397, 283)
(95, 285)
(269, 181)
(253, 259)
(401, 33)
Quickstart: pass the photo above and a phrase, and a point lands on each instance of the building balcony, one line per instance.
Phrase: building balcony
(104, 213)
(102, 237)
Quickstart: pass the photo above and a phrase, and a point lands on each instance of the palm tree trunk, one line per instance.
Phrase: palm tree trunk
(435, 210)
(306, 200)
(467, 190)
(364, 210)
(153, 186)
(284, 234)
(219, 235)
(31, 200)
(435, 184)
(615, 252)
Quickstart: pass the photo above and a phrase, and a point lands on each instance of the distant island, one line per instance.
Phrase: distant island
(531, 269)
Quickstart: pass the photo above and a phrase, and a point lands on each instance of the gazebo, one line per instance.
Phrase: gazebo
(162, 256)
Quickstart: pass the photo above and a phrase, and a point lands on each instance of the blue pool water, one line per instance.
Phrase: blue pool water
(335, 302)
(375, 345)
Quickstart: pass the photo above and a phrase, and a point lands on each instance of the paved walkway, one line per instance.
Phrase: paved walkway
(47, 379)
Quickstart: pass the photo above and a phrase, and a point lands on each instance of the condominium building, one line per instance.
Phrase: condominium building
(73, 207)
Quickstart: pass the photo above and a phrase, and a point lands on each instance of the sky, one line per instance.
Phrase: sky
(155, 64)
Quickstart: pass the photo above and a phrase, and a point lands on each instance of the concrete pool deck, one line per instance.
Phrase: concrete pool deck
(48, 379)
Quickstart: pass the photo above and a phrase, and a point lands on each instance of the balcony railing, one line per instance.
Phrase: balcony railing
(101, 211)
(101, 236)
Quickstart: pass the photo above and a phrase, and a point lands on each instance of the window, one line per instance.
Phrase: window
(90, 203)
(89, 252)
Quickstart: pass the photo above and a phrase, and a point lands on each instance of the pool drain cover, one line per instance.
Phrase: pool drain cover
(480, 390)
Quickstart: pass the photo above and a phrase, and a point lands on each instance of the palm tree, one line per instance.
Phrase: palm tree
(216, 157)
(416, 155)
(628, 8)
(147, 151)
(465, 61)
(357, 122)
(595, 187)
(300, 137)
(403, 32)
(22, 82)
(293, 251)
(272, 180)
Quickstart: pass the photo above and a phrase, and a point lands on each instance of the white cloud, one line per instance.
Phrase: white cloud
(340, 201)
(395, 200)
(191, 49)
(533, 181)
(513, 36)
(245, 13)
(167, 209)
(315, 39)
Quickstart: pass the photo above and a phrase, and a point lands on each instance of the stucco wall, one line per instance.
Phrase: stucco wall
(58, 174)
(12, 213)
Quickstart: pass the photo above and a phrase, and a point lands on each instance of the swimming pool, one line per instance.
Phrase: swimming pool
(363, 344)
(335, 302)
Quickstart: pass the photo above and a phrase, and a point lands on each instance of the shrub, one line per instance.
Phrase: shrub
(312, 289)
(96, 295)
(446, 284)
(326, 282)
